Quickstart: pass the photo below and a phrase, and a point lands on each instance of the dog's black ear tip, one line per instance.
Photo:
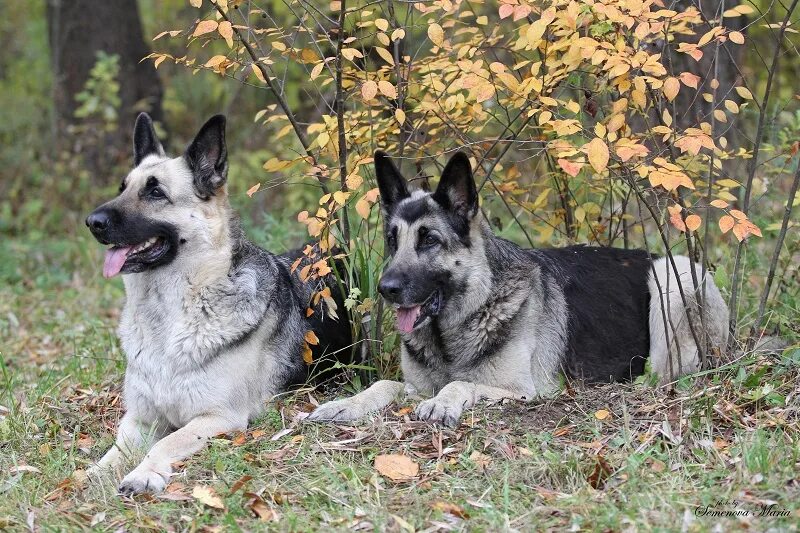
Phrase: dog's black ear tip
(143, 116)
(461, 157)
(380, 155)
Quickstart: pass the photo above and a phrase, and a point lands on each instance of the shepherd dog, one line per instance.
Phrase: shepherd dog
(213, 326)
(482, 318)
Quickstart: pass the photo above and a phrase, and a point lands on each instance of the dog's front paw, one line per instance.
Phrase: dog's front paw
(440, 410)
(344, 410)
(142, 480)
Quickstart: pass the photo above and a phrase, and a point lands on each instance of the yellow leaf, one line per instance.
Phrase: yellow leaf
(693, 222)
(226, 31)
(597, 152)
(252, 190)
(195, 3)
(721, 204)
(385, 55)
(485, 92)
(207, 496)
(387, 89)
(399, 33)
(396, 467)
(731, 106)
(602, 414)
(214, 61)
(369, 90)
(671, 88)
(382, 24)
(400, 115)
(436, 34)
(279, 46)
(736, 37)
(726, 223)
(744, 93)
(205, 26)
(482, 20)
(351, 53)
(258, 73)
(317, 70)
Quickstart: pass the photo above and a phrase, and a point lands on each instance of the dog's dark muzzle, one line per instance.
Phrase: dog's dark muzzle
(100, 222)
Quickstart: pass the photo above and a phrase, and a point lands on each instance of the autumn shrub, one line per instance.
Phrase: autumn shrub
(594, 121)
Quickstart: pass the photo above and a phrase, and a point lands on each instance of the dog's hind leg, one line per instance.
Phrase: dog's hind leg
(375, 398)
(673, 350)
(154, 471)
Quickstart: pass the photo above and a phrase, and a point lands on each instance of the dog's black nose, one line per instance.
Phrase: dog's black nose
(98, 221)
(390, 286)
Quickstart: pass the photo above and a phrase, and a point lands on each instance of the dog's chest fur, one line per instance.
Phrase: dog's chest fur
(194, 348)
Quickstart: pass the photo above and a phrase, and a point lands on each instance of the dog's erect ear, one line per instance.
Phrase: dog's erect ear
(456, 190)
(207, 157)
(145, 140)
(391, 183)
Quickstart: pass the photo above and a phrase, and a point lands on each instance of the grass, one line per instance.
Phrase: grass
(720, 442)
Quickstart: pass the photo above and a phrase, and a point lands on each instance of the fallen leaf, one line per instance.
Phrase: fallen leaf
(602, 414)
(600, 473)
(396, 467)
(450, 508)
(207, 496)
(481, 460)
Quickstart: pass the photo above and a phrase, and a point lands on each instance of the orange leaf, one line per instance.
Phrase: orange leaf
(693, 222)
(738, 214)
(308, 355)
(722, 204)
(252, 190)
(726, 223)
(311, 337)
(570, 167)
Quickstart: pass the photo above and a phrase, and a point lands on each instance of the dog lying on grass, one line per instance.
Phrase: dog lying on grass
(481, 317)
(213, 326)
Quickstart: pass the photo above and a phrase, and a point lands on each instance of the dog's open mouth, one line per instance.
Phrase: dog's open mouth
(410, 317)
(130, 258)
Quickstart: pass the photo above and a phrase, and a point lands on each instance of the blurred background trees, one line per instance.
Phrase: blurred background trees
(556, 163)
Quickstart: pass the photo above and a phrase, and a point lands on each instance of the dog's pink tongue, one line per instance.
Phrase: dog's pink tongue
(115, 258)
(406, 316)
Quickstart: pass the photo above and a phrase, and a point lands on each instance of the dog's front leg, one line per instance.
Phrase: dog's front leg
(375, 398)
(154, 471)
(132, 434)
(447, 406)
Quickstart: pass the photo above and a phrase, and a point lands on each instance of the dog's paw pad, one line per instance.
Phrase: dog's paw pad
(141, 481)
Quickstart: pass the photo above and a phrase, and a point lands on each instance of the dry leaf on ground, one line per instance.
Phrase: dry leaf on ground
(396, 467)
